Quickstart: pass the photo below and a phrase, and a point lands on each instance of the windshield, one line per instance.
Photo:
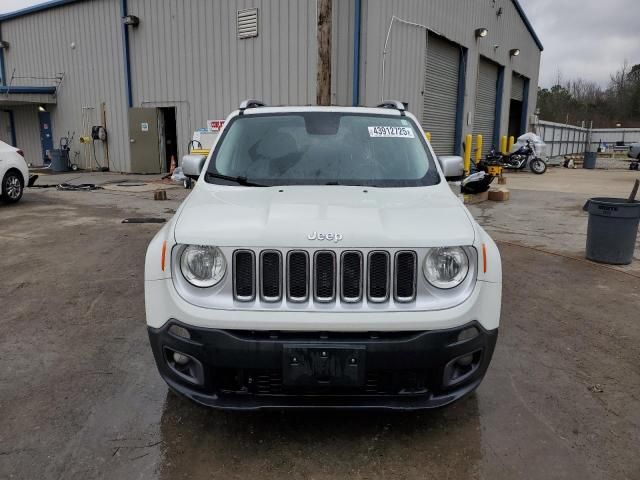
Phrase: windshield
(323, 148)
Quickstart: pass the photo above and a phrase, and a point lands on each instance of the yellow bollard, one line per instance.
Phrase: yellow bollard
(511, 142)
(427, 135)
(503, 144)
(478, 148)
(467, 154)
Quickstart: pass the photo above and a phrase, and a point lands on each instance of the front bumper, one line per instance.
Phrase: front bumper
(243, 369)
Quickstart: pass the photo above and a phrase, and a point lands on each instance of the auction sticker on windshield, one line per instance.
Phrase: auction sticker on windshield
(391, 132)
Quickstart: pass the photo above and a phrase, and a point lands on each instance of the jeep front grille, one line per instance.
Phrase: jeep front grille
(326, 276)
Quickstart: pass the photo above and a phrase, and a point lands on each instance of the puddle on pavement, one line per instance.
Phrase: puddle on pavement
(315, 444)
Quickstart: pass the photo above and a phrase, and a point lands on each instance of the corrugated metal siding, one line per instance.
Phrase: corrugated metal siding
(457, 22)
(440, 95)
(93, 70)
(28, 133)
(517, 87)
(342, 52)
(404, 67)
(5, 127)
(486, 92)
(186, 54)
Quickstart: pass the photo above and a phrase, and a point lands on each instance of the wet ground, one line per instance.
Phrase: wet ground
(80, 396)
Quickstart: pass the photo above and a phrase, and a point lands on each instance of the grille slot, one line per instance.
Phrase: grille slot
(351, 277)
(405, 277)
(270, 275)
(244, 275)
(298, 276)
(324, 280)
(378, 288)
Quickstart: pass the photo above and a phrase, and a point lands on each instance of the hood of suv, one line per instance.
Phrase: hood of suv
(323, 217)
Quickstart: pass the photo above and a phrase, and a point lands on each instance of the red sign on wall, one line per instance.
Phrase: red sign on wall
(215, 125)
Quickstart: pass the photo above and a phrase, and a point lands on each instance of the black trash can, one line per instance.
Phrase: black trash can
(612, 230)
(59, 160)
(589, 160)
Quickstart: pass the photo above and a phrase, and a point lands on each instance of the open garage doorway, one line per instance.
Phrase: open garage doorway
(517, 105)
(168, 136)
(515, 116)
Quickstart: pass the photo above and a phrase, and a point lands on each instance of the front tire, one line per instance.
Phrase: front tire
(538, 166)
(12, 186)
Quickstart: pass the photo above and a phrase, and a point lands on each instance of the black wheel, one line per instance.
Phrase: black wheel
(12, 186)
(538, 166)
(74, 167)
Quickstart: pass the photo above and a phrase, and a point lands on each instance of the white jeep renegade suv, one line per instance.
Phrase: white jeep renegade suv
(322, 260)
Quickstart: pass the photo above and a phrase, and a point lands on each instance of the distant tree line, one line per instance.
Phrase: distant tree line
(580, 100)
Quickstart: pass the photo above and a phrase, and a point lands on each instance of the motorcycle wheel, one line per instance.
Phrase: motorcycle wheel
(538, 166)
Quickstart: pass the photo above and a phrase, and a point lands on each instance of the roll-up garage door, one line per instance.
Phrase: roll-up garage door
(517, 87)
(440, 96)
(485, 111)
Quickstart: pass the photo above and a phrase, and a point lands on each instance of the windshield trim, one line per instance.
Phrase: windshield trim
(211, 167)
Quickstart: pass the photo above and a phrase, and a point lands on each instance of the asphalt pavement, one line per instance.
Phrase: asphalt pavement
(80, 396)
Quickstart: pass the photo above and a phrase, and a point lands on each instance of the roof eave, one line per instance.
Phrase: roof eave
(527, 23)
(36, 8)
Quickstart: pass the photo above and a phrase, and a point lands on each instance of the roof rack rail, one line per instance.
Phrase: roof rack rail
(395, 104)
(250, 103)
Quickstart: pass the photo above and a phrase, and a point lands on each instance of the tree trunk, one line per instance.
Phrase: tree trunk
(323, 87)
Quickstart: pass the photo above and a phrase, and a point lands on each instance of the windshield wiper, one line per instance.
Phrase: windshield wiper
(240, 180)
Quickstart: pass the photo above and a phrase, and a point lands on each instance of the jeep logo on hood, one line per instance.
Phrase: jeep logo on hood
(332, 237)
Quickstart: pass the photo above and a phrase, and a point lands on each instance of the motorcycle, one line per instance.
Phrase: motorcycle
(519, 159)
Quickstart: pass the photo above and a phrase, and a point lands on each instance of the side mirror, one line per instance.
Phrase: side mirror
(192, 165)
(452, 166)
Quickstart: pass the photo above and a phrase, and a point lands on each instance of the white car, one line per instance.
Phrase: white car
(322, 260)
(14, 173)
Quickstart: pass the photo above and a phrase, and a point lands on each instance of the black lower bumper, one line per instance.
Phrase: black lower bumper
(249, 370)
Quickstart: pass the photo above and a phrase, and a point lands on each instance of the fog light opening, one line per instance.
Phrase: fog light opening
(180, 359)
(462, 368)
(464, 361)
(185, 366)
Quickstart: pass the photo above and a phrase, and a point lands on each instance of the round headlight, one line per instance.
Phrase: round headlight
(203, 266)
(446, 267)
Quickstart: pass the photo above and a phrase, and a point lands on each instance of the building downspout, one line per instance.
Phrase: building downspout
(125, 47)
(356, 52)
(497, 125)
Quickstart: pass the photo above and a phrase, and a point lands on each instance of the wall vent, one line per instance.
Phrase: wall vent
(247, 23)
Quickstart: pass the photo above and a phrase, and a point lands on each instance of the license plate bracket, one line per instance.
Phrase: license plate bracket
(310, 365)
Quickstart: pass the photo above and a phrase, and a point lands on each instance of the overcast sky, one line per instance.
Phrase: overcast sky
(581, 38)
